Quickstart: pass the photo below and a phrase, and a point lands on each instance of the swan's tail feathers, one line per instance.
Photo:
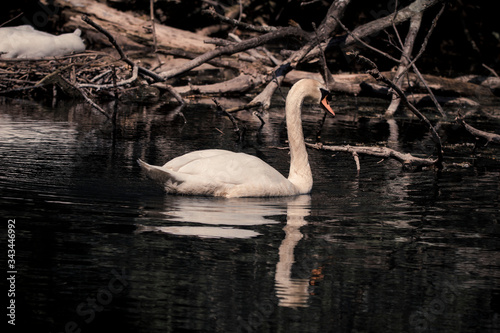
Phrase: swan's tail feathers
(159, 174)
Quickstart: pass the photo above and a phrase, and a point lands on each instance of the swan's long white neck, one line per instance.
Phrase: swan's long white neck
(300, 171)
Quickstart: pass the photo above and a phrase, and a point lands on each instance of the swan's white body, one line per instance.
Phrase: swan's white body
(26, 42)
(224, 173)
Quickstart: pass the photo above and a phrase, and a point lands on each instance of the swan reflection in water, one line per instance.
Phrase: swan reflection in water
(292, 292)
(233, 218)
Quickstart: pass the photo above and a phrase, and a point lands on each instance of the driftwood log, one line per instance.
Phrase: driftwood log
(131, 31)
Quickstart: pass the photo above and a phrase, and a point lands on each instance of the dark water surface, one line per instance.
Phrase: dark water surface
(100, 248)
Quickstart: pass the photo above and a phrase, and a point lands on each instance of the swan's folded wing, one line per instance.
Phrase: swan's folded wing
(225, 167)
(194, 158)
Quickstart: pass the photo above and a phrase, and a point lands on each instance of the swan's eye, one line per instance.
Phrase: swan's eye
(325, 94)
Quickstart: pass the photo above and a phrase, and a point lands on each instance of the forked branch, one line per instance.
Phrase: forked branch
(407, 160)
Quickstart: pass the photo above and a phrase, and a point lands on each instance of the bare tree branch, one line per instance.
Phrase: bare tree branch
(362, 42)
(407, 160)
(489, 137)
(404, 62)
(238, 23)
(382, 23)
(239, 47)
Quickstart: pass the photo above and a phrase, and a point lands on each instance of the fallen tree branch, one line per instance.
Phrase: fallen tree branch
(489, 137)
(407, 160)
(239, 84)
(237, 130)
(122, 54)
(246, 26)
(224, 63)
(235, 48)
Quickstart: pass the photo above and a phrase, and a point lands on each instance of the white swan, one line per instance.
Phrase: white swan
(215, 172)
(26, 42)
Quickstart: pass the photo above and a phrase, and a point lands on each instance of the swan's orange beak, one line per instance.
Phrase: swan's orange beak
(326, 105)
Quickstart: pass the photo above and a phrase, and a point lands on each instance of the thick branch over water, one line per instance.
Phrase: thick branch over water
(406, 160)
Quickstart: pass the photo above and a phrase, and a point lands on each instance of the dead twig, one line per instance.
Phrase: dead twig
(224, 63)
(237, 129)
(87, 98)
(492, 71)
(362, 42)
(110, 37)
(135, 71)
(122, 54)
(174, 93)
(238, 23)
(12, 19)
(427, 36)
(327, 75)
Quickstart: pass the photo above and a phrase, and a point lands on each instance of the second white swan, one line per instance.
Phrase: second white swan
(215, 172)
